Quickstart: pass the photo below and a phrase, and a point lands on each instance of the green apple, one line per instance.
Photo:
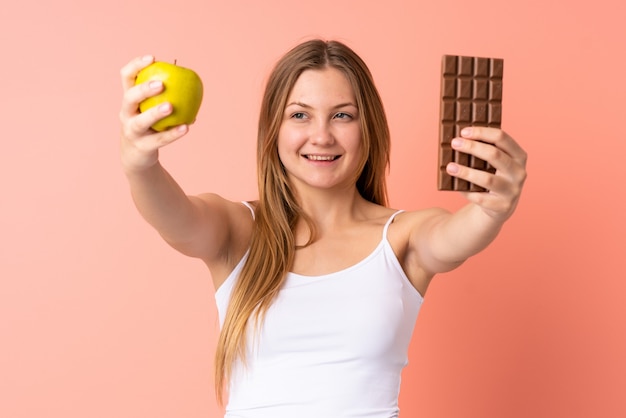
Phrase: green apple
(182, 88)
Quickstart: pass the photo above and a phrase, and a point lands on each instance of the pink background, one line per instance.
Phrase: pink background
(99, 318)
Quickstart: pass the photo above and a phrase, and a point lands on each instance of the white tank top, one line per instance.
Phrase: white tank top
(331, 346)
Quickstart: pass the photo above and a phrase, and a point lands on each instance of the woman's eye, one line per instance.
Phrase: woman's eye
(298, 115)
(342, 115)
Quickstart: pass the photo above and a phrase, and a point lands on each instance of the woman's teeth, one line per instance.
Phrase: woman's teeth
(321, 157)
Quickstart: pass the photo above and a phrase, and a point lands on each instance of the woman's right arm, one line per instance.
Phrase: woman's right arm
(199, 226)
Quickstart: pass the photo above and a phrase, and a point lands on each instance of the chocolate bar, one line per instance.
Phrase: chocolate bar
(471, 95)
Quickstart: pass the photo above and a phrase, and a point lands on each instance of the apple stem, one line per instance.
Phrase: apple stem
(175, 62)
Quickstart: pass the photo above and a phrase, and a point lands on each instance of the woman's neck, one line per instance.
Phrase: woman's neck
(330, 212)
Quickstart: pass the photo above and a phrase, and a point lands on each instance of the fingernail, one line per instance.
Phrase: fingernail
(452, 168)
(181, 128)
(164, 108)
(457, 143)
(466, 132)
(147, 58)
(155, 84)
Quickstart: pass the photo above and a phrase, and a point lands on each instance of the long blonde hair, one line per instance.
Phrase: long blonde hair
(273, 246)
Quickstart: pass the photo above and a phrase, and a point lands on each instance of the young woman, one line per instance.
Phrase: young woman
(318, 283)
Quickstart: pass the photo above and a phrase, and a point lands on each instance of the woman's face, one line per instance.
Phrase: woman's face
(319, 141)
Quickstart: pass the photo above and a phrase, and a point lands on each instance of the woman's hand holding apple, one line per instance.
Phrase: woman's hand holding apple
(139, 142)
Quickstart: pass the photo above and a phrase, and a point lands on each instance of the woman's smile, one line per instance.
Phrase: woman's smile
(317, 157)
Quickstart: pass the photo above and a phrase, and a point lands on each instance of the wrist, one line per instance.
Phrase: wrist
(135, 162)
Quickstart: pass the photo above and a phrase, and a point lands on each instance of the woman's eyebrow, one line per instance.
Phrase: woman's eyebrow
(306, 106)
(299, 104)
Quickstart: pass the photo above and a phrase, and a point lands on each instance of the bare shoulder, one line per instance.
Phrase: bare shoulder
(229, 209)
(402, 235)
(409, 222)
(230, 224)
(406, 223)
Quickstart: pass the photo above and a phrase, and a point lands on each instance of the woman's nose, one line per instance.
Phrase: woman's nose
(321, 134)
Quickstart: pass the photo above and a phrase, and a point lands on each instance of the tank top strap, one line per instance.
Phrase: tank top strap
(249, 206)
(389, 221)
